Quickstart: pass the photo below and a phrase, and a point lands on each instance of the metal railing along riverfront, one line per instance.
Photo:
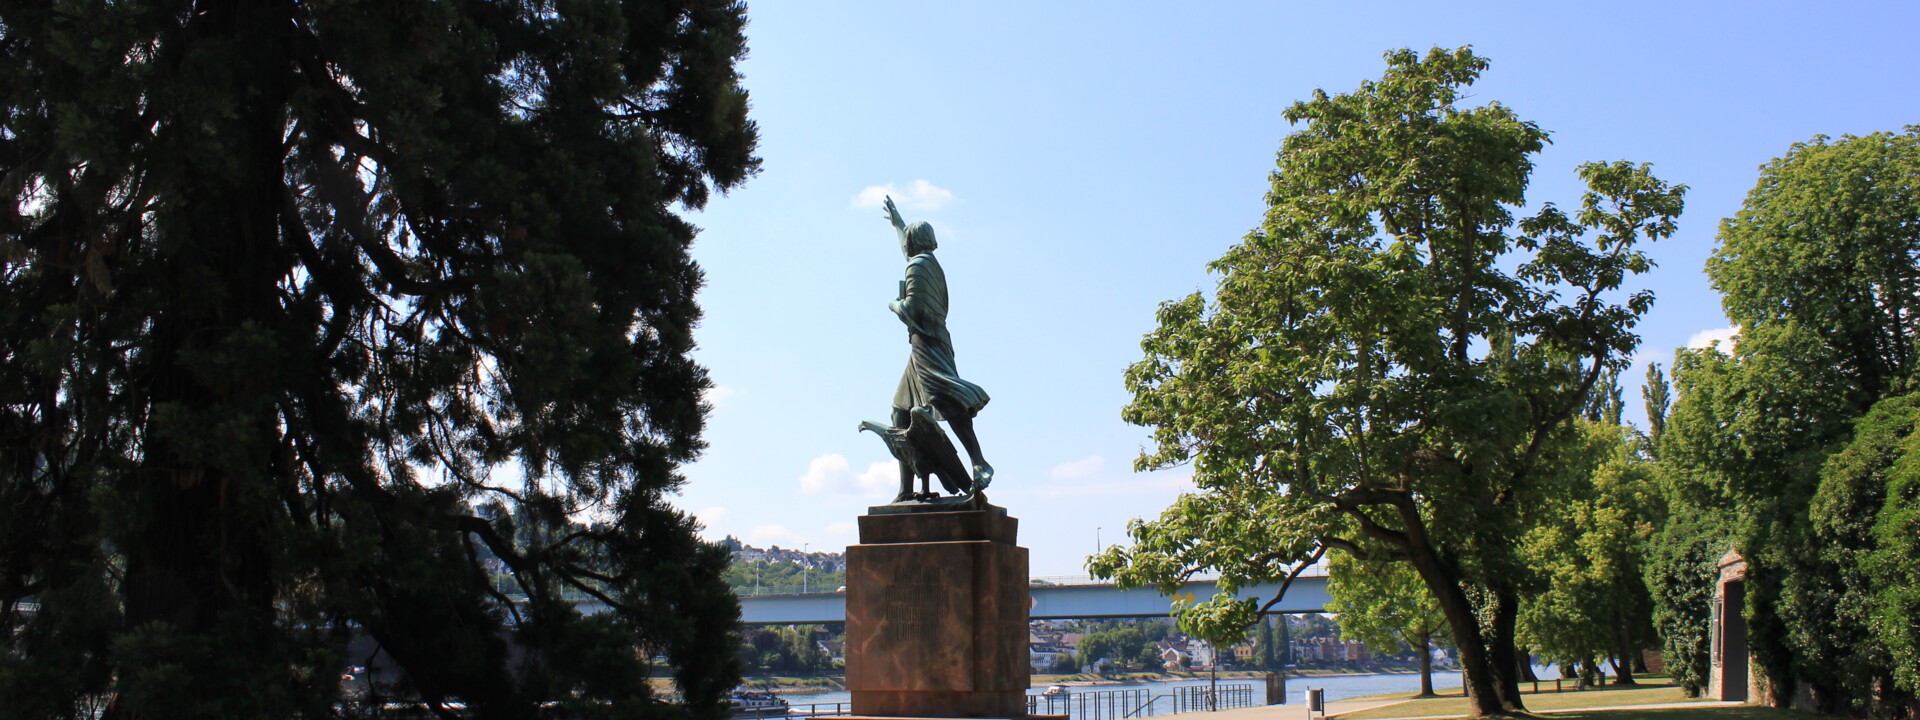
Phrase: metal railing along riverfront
(1100, 704)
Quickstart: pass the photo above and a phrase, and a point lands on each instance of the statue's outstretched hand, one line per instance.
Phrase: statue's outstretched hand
(893, 214)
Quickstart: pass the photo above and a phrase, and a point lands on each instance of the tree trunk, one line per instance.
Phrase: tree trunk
(1502, 659)
(1623, 668)
(1526, 666)
(198, 576)
(1213, 682)
(1465, 624)
(1426, 664)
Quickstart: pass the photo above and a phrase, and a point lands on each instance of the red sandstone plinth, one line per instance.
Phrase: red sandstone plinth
(937, 616)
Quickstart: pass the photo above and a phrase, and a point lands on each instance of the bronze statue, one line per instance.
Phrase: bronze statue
(931, 388)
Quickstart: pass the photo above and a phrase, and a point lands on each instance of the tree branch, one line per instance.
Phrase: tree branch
(1302, 567)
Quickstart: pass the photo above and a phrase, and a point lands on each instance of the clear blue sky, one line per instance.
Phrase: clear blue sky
(1082, 162)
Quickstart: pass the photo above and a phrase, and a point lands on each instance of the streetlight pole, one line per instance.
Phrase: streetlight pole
(1096, 540)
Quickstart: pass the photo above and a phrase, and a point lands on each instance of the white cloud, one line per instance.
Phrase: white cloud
(719, 395)
(1726, 336)
(843, 529)
(831, 473)
(767, 536)
(880, 477)
(921, 195)
(710, 522)
(1078, 468)
(824, 472)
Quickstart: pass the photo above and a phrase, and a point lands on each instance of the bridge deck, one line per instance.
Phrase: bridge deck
(1050, 601)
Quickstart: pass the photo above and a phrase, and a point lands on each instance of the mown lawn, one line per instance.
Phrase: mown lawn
(1740, 712)
(1650, 691)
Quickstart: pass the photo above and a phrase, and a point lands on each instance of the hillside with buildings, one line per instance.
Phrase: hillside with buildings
(776, 570)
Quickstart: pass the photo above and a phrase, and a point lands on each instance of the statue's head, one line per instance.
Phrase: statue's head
(918, 239)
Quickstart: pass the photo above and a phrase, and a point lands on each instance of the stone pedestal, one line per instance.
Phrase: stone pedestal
(937, 615)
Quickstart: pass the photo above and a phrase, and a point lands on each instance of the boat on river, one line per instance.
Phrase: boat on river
(757, 705)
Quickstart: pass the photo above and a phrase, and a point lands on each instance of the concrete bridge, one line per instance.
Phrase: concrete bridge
(1053, 598)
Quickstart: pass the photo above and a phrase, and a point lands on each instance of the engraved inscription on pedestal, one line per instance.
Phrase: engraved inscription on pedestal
(920, 605)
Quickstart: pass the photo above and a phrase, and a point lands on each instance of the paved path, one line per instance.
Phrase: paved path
(1298, 711)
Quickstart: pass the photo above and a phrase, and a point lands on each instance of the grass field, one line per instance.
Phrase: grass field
(1743, 712)
(1650, 691)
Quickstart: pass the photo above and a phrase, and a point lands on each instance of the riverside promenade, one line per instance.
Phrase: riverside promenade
(1298, 711)
(1336, 708)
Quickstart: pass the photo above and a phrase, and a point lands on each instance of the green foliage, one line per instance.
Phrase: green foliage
(1388, 354)
(1655, 395)
(1681, 569)
(1593, 601)
(784, 650)
(1313, 625)
(1270, 654)
(1066, 664)
(759, 576)
(1383, 604)
(1122, 644)
(1894, 568)
(1825, 242)
(1605, 405)
(284, 283)
(1220, 620)
(1817, 270)
(1828, 602)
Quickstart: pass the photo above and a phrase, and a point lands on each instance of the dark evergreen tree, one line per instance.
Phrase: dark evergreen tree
(283, 282)
(1657, 399)
(1604, 404)
(1269, 658)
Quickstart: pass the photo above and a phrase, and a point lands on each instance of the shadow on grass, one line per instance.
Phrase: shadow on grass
(1454, 704)
(1739, 712)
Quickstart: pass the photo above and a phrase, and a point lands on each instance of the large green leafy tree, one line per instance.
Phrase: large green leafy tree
(1818, 269)
(286, 281)
(1386, 606)
(1390, 354)
(1826, 242)
(1593, 601)
(1840, 610)
(1682, 556)
(1893, 567)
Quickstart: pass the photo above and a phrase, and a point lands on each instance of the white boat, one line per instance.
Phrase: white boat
(757, 705)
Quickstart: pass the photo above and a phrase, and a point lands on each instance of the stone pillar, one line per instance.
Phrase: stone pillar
(1730, 675)
(937, 614)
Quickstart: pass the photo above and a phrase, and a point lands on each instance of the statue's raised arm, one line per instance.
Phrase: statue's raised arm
(893, 215)
(931, 389)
